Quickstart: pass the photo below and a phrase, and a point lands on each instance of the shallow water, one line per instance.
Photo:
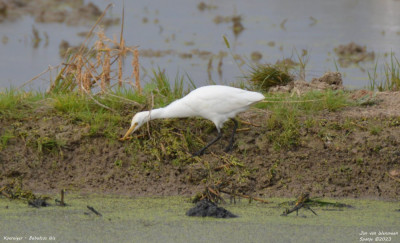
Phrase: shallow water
(183, 29)
(162, 219)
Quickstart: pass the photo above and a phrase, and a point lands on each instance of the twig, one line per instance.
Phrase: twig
(61, 202)
(91, 97)
(394, 178)
(49, 68)
(308, 207)
(148, 123)
(125, 99)
(246, 196)
(290, 101)
(95, 101)
(357, 125)
(94, 210)
(3, 188)
(248, 123)
(6, 194)
(81, 48)
(300, 203)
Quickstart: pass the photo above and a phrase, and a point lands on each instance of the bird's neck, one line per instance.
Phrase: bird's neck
(157, 113)
(173, 110)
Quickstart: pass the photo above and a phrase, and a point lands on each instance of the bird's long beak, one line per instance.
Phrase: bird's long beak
(128, 132)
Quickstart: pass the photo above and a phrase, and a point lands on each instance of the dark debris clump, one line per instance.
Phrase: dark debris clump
(205, 208)
(38, 202)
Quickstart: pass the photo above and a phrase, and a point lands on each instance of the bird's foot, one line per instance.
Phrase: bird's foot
(229, 148)
(198, 153)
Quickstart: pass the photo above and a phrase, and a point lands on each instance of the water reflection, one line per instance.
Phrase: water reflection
(187, 39)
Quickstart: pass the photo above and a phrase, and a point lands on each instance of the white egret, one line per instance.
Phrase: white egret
(216, 103)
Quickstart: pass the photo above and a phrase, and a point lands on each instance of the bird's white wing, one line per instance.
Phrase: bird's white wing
(220, 100)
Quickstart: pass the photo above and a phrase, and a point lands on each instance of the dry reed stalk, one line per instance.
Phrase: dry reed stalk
(86, 82)
(135, 65)
(76, 61)
(120, 61)
(85, 67)
(99, 47)
(220, 63)
(105, 76)
(82, 47)
(209, 68)
(78, 76)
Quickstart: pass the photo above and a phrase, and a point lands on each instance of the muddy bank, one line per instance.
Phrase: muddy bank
(349, 153)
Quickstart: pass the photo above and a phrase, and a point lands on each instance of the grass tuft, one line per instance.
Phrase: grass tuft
(265, 76)
(389, 80)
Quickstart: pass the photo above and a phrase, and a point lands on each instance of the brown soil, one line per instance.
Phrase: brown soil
(349, 153)
(330, 80)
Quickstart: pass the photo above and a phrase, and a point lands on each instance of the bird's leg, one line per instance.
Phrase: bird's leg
(201, 151)
(230, 145)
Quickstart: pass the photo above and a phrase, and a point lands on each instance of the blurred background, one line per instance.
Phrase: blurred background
(354, 37)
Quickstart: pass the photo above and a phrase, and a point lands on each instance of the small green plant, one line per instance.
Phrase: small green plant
(391, 76)
(284, 126)
(46, 144)
(5, 138)
(360, 161)
(118, 163)
(375, 130)
(303, 59)
(373, 77)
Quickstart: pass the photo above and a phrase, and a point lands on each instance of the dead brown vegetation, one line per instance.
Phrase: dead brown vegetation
(94, 67)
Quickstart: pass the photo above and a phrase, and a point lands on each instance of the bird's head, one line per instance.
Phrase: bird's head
(137, 121)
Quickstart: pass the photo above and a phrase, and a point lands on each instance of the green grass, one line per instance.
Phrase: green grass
(388, 79)
(11, 99)
(164, 91)
(103, 114)
(4, 138)
(284, 124)
(308, 103)
(46, 144)
(118, 106)
(265, 76)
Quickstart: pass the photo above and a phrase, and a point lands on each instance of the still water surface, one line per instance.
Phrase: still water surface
(178, 25)
(163, 219)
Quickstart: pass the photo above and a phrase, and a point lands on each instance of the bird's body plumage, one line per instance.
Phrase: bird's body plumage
(216, 103)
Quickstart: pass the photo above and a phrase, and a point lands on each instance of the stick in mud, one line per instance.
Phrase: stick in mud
(301, 203)
(61, 202)
(94, 210)
(4, 193)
